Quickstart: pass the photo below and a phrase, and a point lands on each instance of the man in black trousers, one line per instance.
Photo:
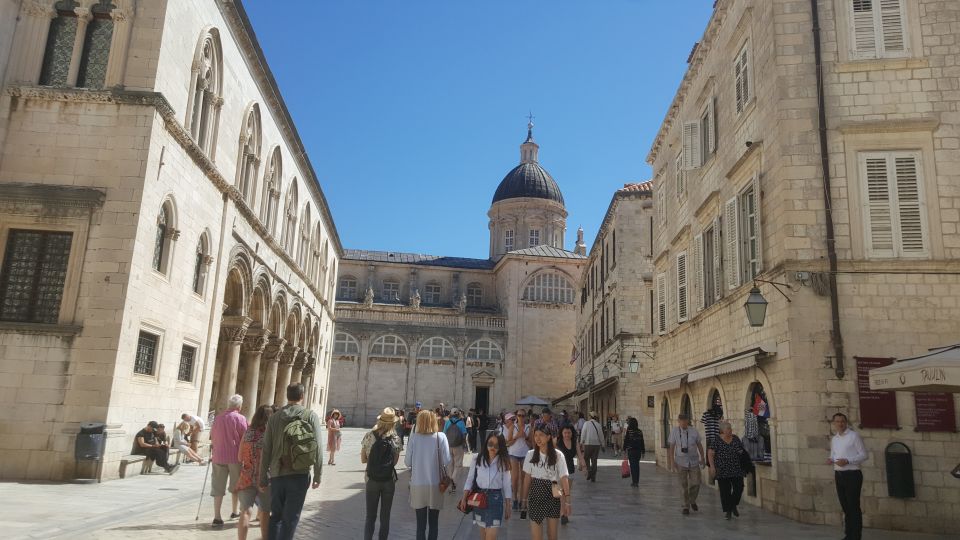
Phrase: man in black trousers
(847, 452)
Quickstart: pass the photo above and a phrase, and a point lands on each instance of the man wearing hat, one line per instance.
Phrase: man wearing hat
(686, 457)
(591, 440)
(147, 444)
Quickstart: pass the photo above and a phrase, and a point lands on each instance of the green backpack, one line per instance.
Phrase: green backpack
(299, 444)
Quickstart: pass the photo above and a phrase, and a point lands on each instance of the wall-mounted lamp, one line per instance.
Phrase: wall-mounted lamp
(756, 304)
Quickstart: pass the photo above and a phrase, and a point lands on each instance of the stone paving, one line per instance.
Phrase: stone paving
(160, 506)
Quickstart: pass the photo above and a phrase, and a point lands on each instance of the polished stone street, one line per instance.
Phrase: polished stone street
(161, 506)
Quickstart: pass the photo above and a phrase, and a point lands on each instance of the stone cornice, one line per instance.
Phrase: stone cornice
(49, 200)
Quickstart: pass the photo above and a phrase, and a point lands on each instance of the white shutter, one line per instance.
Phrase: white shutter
(681, 177)
(911, 210)
(863, 29)
(698, 286)
(717, 261)
(758, 218)
(682, 300)
(891, 28)
(879, 218)
(731, 240)
(741, 78)
(662, 205)
(661, 304)
(691, 145)
(712, 131)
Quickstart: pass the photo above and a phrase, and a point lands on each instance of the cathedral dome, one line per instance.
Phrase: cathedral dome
(528, 180)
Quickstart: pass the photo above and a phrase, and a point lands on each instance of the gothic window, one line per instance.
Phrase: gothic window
(270, 195)
(145, 362)
(474, 294)
(166, 233)
(391, 291)
(33, 275)
(508, 240)
(206, 93)
(188, 355)
(304, 248)
(60, 42)
(437, 347)
(290, 219)
(324, 257)
(248, 164)
(96, 46)
(484, 350)
(344, 343)
(200, 265)
(549, 287)
(388, 346)
(348, 288)
(431, 293)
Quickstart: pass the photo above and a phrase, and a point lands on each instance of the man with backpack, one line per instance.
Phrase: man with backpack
(456, 431)
(380, 450)
(291, 448)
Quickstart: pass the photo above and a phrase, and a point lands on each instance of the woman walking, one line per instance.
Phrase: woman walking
(380, 451)
(546, 485)
(724, 460)
(251, 448)
(490, 474)
(333, 436)
(427, 455)
(567, 444)
(633, 444)
(515, 433)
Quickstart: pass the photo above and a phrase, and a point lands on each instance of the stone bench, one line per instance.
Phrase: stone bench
(131, 459)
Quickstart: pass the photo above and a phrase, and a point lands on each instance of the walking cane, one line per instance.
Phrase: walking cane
(204, 488)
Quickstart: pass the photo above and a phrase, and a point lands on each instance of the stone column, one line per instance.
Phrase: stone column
(285, 368)
(83, 19)
(251, 351)
(232, 331)
(29, 42)
(308, 374)
(298, 364)
(272, 355)
(119, 43)
(459, 374)
(411, 386)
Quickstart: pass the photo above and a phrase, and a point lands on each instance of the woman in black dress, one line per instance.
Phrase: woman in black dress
(567, 445)
(724, 460)
(633, 444)
(546, 485)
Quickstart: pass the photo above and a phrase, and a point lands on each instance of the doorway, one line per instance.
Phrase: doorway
(481, 399)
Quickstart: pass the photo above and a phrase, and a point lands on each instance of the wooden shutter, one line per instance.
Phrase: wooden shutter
(891, 28)
(717, 261)
(682, 300)
(681, 177)
(712, 132)
(731, 240)
(879, 218)
(863, 29)
(698, 287)
(758, 213)
(910, 206)
(661, 304)
(741, 72)
(662, 205)
(691, 145)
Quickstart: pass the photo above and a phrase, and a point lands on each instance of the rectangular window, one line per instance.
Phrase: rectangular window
(710, 270)
(391, 291)
(877, 29)
(534, 237)
(691, 150)
(432, 295)
(508, 240)
(661, 207)
(614, 252)
(749, 235)
(348, 289)
(681, 177)
(708, 138)
(681, 287)
(895, 218)
(187, 356)
(146, 360)
(661, 304)
(33, 275)
(741, 77)
(474, 295)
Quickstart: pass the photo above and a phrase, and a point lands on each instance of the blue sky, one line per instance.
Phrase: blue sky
(413, 111)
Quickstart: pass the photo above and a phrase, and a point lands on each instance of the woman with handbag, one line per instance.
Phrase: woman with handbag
(724, 458)
(428, 455)
(567, 445)
(546, 485)
(633, 444)
(487, 492)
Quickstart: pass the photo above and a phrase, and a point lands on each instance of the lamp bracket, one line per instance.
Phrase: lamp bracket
(776, 285)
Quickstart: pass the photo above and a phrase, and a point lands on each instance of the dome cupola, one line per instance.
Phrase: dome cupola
(528, 179)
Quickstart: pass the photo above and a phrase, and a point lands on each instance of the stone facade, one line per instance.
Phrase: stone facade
(614, 318)
(740, 203)
(145, 162)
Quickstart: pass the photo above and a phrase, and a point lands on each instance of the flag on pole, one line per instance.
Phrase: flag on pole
(573, 355)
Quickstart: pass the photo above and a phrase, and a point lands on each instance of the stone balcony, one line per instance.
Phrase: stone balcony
(424, 316)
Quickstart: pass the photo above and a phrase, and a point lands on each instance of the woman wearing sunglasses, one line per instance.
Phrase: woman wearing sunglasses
(490, 475)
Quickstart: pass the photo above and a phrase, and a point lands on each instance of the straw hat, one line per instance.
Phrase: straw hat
(388, 416)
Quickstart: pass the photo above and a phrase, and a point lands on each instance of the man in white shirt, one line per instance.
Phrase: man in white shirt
(591, 439)
(847, 452)
(684, 440)
(196, 426)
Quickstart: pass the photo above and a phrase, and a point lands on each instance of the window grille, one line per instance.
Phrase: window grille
(33, 275)
(187, 356)
(146, 359)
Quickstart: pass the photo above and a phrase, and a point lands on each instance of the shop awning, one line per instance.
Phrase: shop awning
(728, 364)
(665, 385)
(606, 383)
(937, 371)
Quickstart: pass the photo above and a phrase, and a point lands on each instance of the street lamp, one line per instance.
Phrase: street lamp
(756, 307)
(633, 364)
(605, 372)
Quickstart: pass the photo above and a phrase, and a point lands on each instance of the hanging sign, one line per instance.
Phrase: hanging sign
(878, 408)
(935, 412)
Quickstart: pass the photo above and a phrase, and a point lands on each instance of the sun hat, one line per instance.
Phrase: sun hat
(388, 416)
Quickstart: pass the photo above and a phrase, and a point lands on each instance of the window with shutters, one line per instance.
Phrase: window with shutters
(708, 264)
(662, 206)
(145, 362)
(708, 131)
(749, 234)
(681, 296)
(33, 275)
(731, 243)
(680, 176)
(348, 288)
(431, 293)
(691, 149)
(661, 304)
(391, 291)
(188, 356)
(895, 219)
(877, 29)
(741, 78)
(508, 240)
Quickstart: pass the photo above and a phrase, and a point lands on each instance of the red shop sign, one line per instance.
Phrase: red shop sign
(935, 412)
(878, 408)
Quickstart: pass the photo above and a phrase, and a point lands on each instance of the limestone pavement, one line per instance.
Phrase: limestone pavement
(160, 506)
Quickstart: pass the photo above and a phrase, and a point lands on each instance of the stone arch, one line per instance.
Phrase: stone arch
(270, 190)
(389, 345)
(346, 343)
(290, 219)
(484, 349)
(248, 158)
(291, 330)
(437, 347)
(551, 285)
(202, 261)
(666, 422)
(260, 303)
(166, 235)
(206, 91)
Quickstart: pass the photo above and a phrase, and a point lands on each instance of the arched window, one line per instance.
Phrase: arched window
(431, 293)
(484, 349)
(248, 163)
(757, 439)
(201, 265)
(166, 234)
(290, 219)
(685, 406)
(60, 41)
(206, 92)
(344, 343)
(270, 195)
(96, 46)
(549, 287)
(303, 251)
(324, 259)
(348, 288)
(389, 346)
(437, 347)
(474, 295)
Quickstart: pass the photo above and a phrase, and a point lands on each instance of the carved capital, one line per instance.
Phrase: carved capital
(207, 260)
(234, 328)
(301, 361)
(256, 341)
(273, 349)
(289, 355)
(83, 13)
(217, 101)
(172, 234)
(120, 15)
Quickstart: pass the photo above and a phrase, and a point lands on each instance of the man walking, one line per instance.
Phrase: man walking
(291, 446)
(591, 439)
(225, 437)
(847, 452)
(687, 462)
(456, 432)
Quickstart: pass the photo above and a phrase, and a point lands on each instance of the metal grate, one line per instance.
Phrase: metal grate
(161, 239)
(33, 276)
(146, 353)
(59, 49)
(187, 355)
(96, 51)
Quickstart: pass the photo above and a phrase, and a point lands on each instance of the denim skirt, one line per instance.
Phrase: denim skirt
(492, 515)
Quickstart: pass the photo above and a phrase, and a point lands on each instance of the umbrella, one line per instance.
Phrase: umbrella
(936, 371)
(533, 401)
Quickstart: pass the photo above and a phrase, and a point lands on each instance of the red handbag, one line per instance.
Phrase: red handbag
(624, 469)
(475, 498)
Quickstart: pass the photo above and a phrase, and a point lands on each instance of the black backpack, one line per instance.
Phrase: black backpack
(380, 460)
(454, 435)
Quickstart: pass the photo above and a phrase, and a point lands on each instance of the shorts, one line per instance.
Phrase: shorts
(250, 496)
(218, 482)
(518, 459)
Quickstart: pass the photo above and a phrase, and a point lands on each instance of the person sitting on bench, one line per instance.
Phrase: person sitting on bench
(180, 443)
(146, 444)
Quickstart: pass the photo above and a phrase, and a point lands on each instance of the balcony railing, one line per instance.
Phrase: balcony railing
(422, 317)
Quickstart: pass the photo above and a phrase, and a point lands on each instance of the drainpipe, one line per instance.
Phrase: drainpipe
(835, 336)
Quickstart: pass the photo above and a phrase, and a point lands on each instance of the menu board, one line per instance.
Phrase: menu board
(878, 408)
(935, 412)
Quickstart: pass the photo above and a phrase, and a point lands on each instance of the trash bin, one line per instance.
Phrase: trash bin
(899, 463)
(89, 445)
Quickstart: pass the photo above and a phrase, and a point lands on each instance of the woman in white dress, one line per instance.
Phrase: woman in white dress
(427, 454)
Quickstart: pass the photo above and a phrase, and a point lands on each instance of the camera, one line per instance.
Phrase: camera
(684, 450)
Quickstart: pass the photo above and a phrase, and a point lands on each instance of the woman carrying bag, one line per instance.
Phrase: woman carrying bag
(633, 444)
(546, 486)
(726, 458)
(428, 455)
(487, 492)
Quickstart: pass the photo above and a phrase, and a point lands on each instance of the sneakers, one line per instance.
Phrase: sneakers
(174, 468)
(234, 515)
(217, 522)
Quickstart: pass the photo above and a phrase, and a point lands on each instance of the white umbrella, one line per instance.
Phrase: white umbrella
(533, 401)
(936, 371)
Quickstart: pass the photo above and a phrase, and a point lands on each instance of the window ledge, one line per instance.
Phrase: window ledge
(873, 64)
(40, 328)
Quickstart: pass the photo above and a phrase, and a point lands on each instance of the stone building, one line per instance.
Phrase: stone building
(465, 332)
(864, 261)
(164, 240)
(614, 321)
